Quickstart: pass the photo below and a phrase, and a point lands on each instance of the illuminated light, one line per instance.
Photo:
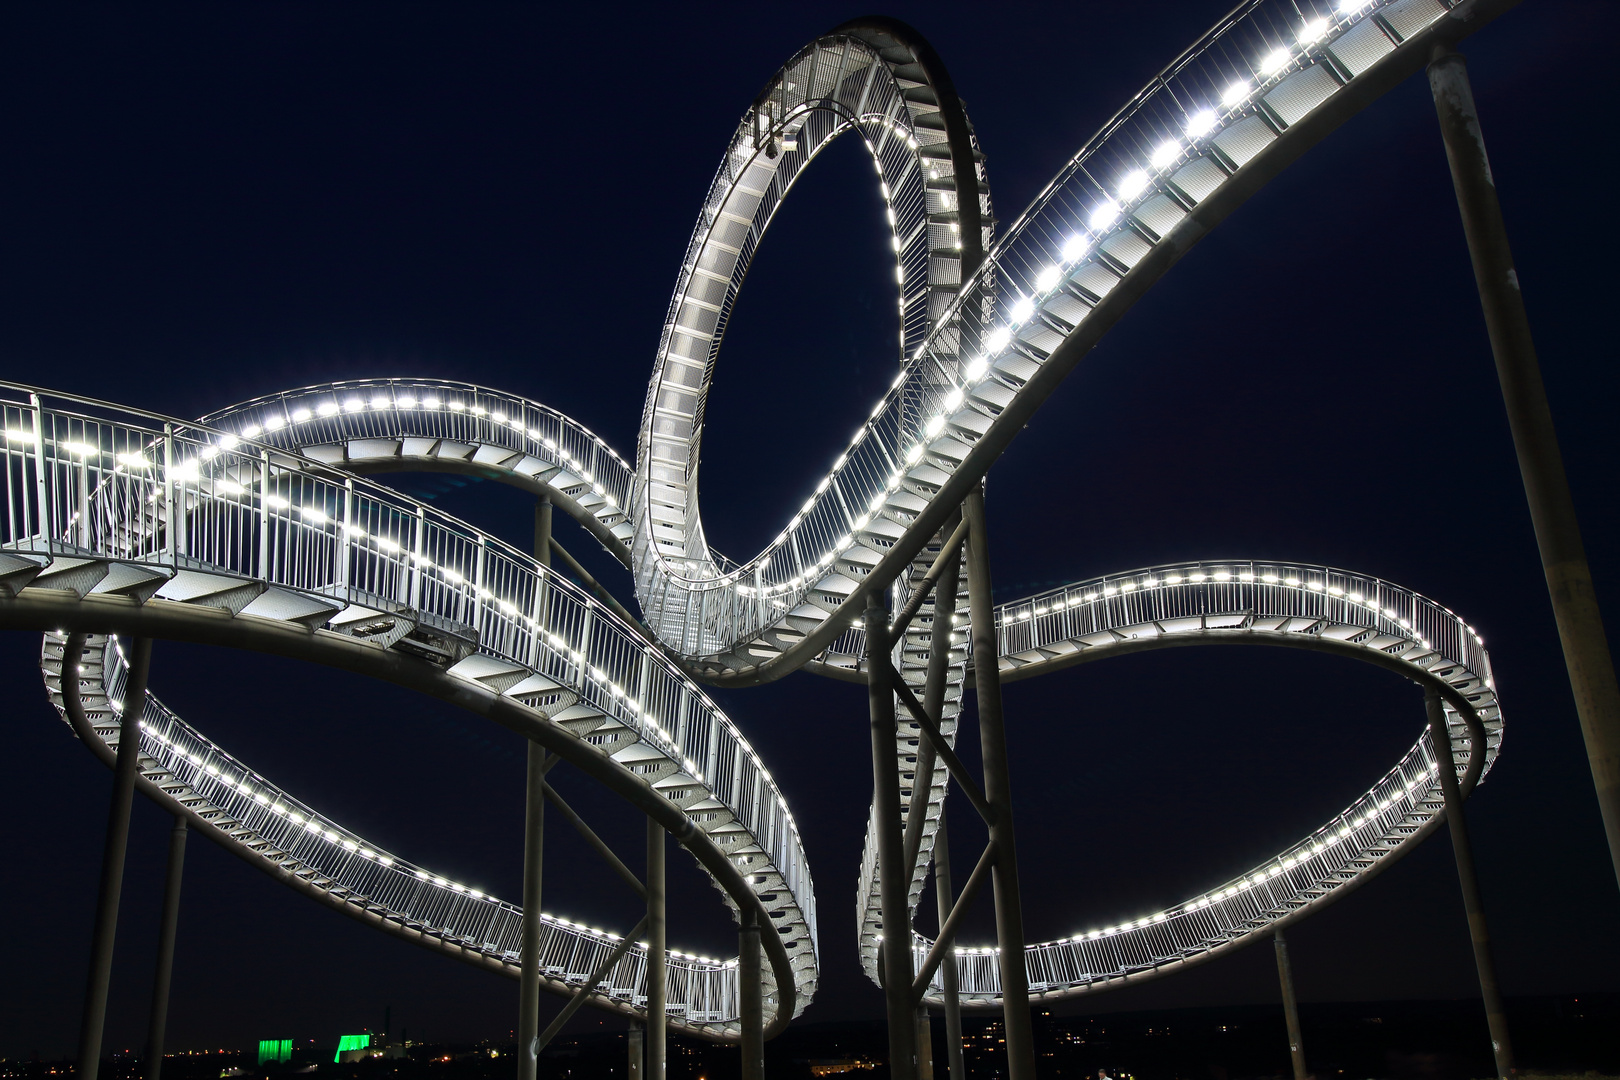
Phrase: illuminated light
(1235, 93)
(19, 435)
(1201, 123)
(1269, 579)
(1173, 579)
(1314, 586)
(1222, 575)
(229, 487)
(1274, 61)
(498, 417)
(185, 472)
(458, 406)
(1129, 586)
(405, 401)
(1104, 215)
(274, 423)
(1075, 247)
(1247, 575)
(1150, 583)
(1110, 591)
(353, 404)
(431, 402)
(1334, 590)
(1022, 309)
(953, 399)
(327, 408)
(381, 402)
(301, 415)
(314, 514)
(228, 441)
(132, 461)
(79, 448)
(1315, 30)
(1048, 279)
(1196, 578)
(1165, 154)
(900, 274)
(975, 368)
(1133, 185)
(251, 431)
(998, 339)
(1291, 581)
(935, 426)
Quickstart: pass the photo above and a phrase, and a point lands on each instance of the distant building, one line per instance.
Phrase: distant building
(275, 1050)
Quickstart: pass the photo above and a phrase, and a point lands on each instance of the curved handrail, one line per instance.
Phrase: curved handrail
(199, 516)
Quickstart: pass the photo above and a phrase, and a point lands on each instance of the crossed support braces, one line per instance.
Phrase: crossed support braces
(904, 990)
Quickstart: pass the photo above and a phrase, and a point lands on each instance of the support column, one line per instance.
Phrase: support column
(534, 822)
(997, 792)
(925, 1044)
(1285, 975)
(945, 897)
(1552, 510)
(894, 953)
(751, 997)
(1495, 1015)
(657, 971)
(633, 1066)
(94, 1019)
(165, 958)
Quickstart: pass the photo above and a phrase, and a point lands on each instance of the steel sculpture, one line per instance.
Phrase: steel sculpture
(257, 528)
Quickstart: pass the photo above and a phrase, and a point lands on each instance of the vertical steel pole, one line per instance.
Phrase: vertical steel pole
(1446, 770)
(635, 1041)
(751, 997)
(657, 971)
(534, 838)
(1552, 510)
(1285, 975)
(933, 695)
(117, 842)
(946, 897)
(925, 1044)
(894, 959)
(165, 958)
(997, 792)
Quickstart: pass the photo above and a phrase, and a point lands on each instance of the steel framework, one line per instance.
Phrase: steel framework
(256, 527)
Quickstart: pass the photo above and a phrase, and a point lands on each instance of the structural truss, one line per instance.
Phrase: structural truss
(257, 527)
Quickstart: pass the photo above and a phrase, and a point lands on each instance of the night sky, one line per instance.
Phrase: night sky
(206, 204)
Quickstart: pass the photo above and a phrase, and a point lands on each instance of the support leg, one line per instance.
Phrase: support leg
(893, 878)
(117, 842)
(925, 1044)
(165, 958)
(633, 1066)
(534, 836)
(1495, 1015)
(1552, 510)
(657, 971)
(997, 791)
(953, 1004)
(1285, 975)
(751, 998)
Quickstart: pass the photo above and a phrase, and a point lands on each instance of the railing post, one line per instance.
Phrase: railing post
(894, 951)
(1462, 848)
(171, 522)
(165, 959)
(117, 842)
(1285, 975)
(657, 969)
(751, 997)
(997, 792)
(534, 838)
(42, 490)
(1546, 487)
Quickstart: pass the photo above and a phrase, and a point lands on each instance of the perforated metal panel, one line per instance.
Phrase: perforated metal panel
(1410, 16)
(1361, 47)
(1301, 92)
(1198, 178)
(1244, 139)
(1160, 214)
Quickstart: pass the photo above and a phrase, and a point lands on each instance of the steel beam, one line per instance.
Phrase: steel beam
(1446, 773)
(168, 926)
(751, 996)
(597, 843)
(997, 792)
(945, 945)
(933, 703)
(894, 877)
(534, 838)
(953, 1003)
(1541, 465)
(94, 1019)
(1285, 975)
(657, 969)
(582, 995)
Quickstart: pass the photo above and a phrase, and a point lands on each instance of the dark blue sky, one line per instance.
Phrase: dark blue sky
(202, 204)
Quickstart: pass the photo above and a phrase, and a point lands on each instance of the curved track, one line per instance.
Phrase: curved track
(256, 528)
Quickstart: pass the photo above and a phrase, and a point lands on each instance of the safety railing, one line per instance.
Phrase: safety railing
(88, 480)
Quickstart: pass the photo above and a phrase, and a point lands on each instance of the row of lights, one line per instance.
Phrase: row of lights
(315, 827)
(1199, 124)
